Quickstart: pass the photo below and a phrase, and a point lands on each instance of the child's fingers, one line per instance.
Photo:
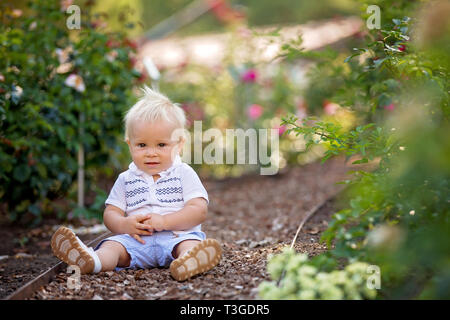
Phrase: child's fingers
(144, 229)
(145, 232)
(142, 217)
(138, 238)
(142, 226)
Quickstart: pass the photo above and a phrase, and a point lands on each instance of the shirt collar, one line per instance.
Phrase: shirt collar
(176, 163)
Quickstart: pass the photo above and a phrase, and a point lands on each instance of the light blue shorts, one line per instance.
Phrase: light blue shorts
(157, 250)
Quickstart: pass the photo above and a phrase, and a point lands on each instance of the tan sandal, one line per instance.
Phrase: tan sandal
(68, 248)
(202, 257)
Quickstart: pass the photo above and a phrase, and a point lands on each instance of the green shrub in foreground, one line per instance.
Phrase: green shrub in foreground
(302, 279)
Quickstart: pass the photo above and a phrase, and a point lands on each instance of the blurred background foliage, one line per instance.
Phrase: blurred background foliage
(241, 94)
(395, 216)
(148, 13)
(48, 109)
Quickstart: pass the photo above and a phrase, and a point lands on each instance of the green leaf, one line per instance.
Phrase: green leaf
(21, 173)
(363, 160)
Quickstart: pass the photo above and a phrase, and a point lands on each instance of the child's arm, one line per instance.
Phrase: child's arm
(115, 220)
(193, 213)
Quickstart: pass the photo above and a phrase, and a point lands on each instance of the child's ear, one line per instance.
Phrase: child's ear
(181, 145)
(128, 143)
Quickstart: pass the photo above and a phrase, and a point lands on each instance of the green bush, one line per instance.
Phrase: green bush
(60, 88)
(397, 214)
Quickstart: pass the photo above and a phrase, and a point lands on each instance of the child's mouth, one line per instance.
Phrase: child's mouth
(152, 163)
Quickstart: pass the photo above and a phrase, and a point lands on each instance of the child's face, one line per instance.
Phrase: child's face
(151, 146)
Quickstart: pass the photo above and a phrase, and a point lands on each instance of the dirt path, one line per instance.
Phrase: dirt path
(251, 217)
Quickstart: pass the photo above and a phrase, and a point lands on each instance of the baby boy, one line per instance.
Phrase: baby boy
(155, 208)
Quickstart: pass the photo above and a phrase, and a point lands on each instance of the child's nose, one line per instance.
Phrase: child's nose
(151, 152)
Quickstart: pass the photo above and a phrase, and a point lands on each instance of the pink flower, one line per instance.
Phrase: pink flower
(65, 4)
(254, 111)
(193, 112)
(330, 108)
(244, 32)
(281, 129)
(389, 107)
(224, 12)
(249, 76)
(402, 47)
(130, 43)
(16, 13)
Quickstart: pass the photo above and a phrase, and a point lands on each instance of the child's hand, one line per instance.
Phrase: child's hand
(135, 226)
(155, 222)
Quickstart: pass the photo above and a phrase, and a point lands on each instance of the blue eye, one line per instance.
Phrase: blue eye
(141, 145)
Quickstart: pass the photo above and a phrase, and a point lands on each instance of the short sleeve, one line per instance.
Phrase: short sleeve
(192, 186)
(117, 194)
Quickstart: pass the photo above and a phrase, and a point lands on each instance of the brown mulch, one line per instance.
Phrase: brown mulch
(251, 216)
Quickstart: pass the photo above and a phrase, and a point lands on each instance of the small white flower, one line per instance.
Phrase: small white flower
(63, 54)
(111, 56)
(412, 212)
(18, 91)
(15, 94)
(385, 236)
(402, 148)
(64, 68)
(32, 26)
(76, 82)
(60, 53)
(13, 69)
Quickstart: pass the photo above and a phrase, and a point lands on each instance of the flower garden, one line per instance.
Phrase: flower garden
(378, 99)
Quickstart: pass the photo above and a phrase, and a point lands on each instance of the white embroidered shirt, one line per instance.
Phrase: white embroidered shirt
(136, 192)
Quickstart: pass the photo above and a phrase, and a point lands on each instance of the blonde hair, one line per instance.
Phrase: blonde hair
(154, 106)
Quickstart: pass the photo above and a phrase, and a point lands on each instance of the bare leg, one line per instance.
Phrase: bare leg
(113, 254)
(183, 247)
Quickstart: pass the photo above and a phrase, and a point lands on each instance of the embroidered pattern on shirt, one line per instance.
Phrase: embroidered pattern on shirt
(172, 192)
(136, 192)
(135, 203)
(134, 181)
(169, 190)
(168, 180)
(171, 200)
